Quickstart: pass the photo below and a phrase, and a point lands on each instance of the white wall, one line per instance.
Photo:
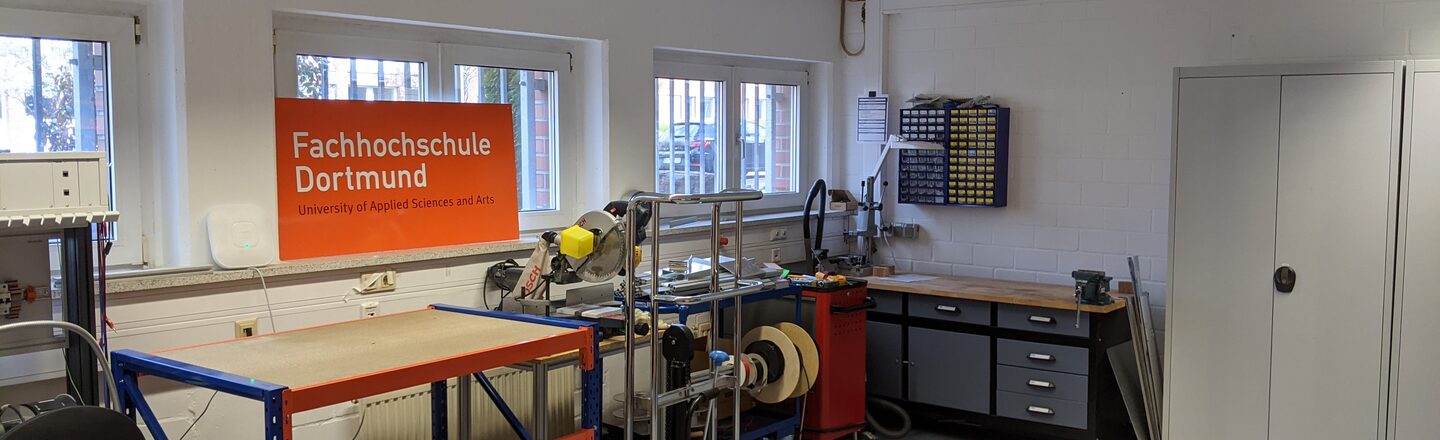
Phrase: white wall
(1090, 83)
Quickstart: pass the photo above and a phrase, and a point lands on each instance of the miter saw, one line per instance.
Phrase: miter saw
(593, 250)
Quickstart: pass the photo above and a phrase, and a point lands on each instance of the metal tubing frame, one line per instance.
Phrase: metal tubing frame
(280, 403)
(683, 305)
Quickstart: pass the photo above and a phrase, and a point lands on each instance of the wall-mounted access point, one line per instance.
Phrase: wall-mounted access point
(240, 236)
(245, 328)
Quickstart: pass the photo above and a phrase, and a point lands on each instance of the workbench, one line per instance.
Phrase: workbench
(1010, 358)
(310, 368)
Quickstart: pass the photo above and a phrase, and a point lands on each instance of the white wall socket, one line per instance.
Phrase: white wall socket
(774, 256)
(377, 282)
(369, 309)
(777, 234)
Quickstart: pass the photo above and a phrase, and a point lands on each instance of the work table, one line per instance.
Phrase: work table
(997, 291)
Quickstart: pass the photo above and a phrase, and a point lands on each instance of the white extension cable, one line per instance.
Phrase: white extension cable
(89, 339)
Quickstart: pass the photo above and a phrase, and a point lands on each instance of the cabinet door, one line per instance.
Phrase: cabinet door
(1338, 185)
(882, 359)
(1417, 380)
(950, 369)
(1227, 139)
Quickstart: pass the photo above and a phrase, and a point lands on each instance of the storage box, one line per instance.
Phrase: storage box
(842, 200)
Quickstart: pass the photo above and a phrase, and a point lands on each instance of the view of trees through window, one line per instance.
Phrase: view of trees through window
(53, 96)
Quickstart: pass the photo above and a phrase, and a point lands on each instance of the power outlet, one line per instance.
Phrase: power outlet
(778, 234)
(369, 309)
(377, 282)
(774, 255)
(245, 328)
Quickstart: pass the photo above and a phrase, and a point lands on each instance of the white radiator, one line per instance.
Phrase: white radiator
(405, 415)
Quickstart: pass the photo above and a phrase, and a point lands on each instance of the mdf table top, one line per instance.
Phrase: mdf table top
(991, 290)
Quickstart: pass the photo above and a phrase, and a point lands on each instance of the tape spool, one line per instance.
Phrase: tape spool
(779, 389)
(809, 357)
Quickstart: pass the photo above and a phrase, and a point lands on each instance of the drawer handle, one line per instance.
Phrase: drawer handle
(1041, 357)
(1040, 410)
(950, 309)
(1040, 384)
(1042, 319)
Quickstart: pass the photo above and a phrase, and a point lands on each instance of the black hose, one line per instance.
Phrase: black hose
(813, 243)
(875, 427)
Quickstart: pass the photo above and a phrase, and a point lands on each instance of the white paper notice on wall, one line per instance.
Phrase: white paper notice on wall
(870, 118)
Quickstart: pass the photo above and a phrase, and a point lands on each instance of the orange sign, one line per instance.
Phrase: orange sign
(361, 176)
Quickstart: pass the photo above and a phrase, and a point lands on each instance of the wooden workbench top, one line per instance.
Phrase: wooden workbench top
(997, 291)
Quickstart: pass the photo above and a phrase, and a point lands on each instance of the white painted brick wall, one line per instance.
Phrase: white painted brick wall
(1089, 82)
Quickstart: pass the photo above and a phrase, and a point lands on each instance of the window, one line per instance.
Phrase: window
(533, 83)
(719, 127)
(67, 84)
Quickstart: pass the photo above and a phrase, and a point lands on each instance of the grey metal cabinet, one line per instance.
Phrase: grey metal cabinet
(950, 369)
(1415, 391)
(1283, 212)
(883, 357)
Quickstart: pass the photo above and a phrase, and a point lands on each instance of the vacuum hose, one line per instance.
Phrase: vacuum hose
(812, 243)
(900, 432)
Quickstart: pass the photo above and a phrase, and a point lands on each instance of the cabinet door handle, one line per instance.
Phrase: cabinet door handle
(1285, 278)
(1041, 357)
(1040, 410)
(1040, 384)
(1042, 319)
(950, 309)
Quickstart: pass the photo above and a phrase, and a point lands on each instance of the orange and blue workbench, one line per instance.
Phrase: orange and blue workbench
(309, 368)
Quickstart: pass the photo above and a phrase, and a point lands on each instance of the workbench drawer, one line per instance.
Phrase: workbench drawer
(950, 309)
(1041, 409)
(1074, 360)
(888, 302)
(1064, 386)
(1043, 320)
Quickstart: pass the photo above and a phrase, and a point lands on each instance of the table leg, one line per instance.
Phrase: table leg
(541, 384)
(438, 423)
(463, 407)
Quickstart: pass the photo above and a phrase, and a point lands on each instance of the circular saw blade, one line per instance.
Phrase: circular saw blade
(609, 256)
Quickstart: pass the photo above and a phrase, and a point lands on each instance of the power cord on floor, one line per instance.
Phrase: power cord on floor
(361, 428)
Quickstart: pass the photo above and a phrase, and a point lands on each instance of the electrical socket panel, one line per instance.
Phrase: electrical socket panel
(905, 230)
(369, 309)
(774, 255)
(377, 282)
(778, 234)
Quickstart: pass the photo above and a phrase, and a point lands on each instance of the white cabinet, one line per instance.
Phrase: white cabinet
(1416, 389)
(1279, 171)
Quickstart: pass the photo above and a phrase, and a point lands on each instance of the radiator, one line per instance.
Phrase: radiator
(405, 415)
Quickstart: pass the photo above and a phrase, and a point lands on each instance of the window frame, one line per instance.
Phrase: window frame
(567, 130)
(440, 59)
(732, 79)
(127, 179)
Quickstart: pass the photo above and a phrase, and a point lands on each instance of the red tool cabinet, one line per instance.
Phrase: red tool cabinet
(836, 406)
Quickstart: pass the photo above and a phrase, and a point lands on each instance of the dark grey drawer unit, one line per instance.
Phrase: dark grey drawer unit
(883, 359)
(1023, 371)
(1075, 360)
(1043, 320)
(1041, 409)
(950, 369)
(886, 302)
(949, 309)
(1064, 386)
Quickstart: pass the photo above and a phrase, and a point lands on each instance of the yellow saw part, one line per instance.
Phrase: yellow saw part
(577, 242)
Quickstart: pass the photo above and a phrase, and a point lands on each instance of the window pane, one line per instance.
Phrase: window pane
(326, 77)
(530, 93)
(689, 148)
(53, 96)
(770, 131)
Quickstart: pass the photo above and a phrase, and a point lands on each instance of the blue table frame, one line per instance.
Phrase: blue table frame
(281, 402)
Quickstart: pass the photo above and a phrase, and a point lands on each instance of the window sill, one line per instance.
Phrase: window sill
(169, 278)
